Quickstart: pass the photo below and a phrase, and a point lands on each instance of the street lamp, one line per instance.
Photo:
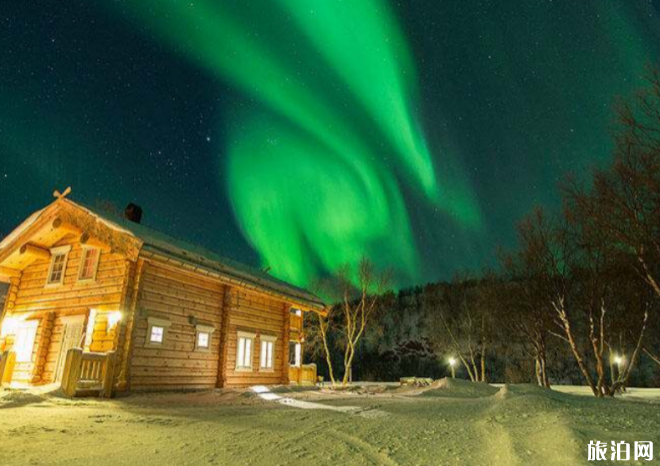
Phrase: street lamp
(452, 366)
(620, 361)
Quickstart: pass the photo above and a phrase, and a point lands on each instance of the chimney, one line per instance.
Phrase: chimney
(133, 212)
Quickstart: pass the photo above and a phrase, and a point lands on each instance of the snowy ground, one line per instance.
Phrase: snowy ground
(458, 424)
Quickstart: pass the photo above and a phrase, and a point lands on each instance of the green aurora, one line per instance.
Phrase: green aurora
(302, 134)
(306, 164)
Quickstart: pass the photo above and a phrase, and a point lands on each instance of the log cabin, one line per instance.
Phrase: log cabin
(84, 284)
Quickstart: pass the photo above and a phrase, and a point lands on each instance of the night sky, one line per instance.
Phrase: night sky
(303, 134)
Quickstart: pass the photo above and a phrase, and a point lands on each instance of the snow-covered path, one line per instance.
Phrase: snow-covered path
(265, 393)
(454, 427)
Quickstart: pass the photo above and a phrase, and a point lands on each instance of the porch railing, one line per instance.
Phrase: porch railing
(88, 374)
(7, 364)
(303, 375)
(296, 322)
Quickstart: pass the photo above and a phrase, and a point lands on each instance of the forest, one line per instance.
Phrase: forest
(577, 301)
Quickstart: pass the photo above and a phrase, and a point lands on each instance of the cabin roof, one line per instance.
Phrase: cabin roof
(155, 242)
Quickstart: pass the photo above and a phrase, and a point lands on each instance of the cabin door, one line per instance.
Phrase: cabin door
(71, 338)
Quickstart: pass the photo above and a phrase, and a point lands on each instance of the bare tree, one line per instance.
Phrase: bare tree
(460, 317)
(624, 203)
(581, 284)
(524, 314)
(357, 294)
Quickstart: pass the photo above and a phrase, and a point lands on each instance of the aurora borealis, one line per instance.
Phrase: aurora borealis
(300, 135)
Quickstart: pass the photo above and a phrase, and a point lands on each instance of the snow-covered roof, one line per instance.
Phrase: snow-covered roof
(160, 243)
(20, 229)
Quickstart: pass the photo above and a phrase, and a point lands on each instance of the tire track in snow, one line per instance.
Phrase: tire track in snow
(363, 447)
(513, 438)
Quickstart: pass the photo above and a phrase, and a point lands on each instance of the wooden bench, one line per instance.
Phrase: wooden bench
(415, 381)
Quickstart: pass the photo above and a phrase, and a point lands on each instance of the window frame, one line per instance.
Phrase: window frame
(202, 328)
(248, 336)
(85, 250)
(54, 253)
(297, 354)
(160, 323)
(267, 340)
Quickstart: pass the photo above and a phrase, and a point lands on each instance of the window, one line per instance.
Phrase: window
(203, 337)
(157, 334)
(57, 265)
(244, 351)
(156, 331)
(26, 334)
(88, 264)
(267, 352)
(295, 354)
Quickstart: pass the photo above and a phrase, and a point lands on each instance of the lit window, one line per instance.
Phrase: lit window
(203, 340)
(57, 265)
(89, 264)
(157, 331)
(203, 337)
(295, 354)
(244, 351)
(24, 341)
(267, 351)
(156, 335)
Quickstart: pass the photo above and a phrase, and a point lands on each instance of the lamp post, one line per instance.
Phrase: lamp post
(619, 361)
(452, 366)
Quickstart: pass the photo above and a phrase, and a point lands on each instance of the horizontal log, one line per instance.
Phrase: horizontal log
(147, 384)
(189, 353)
(165, 373)
(61, 225)
(236, 382)
(174, 362)
(34, 251)
(9, 273)
(87, 240)
(109, 302)
(106, 261)
(180, 311)
(158, 297)
(250, 314)
(70, 287)
(172, 290)
(189, 278)
(64, 294)
(194, 287)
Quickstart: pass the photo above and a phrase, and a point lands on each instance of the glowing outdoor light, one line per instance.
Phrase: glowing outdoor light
(89, 331)
(113, 319)
(452, 366)
(618, 360)
(9, 326)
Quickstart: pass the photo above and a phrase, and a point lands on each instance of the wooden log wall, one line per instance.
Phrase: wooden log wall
(286, 338)
(42, 346)
(34, 300)
(253, 313)
(8, 307)
(175, 295)
(125, 340)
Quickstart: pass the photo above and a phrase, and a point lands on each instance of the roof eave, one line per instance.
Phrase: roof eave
(149, 251)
